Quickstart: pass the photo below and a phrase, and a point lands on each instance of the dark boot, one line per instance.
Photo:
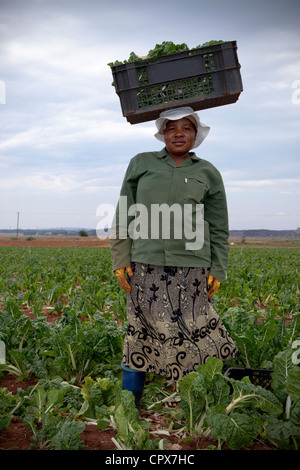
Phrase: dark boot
(134, 382)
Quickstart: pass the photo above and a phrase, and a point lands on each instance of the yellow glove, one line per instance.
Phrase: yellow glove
(213, 285)
(120, 274)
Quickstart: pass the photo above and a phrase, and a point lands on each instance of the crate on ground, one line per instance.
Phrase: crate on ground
(202, 78)
(260, 377)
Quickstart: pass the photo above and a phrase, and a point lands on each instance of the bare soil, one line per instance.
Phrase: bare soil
(104, 242)
(54, 241)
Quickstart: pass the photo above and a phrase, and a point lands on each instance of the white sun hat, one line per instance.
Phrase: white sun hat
(179, 113)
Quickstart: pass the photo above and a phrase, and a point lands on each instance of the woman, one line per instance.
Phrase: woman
(169, 198)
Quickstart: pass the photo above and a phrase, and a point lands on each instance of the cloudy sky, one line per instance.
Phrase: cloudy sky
(64, 144)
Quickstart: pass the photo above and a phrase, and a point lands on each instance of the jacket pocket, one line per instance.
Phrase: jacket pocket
(195, 190)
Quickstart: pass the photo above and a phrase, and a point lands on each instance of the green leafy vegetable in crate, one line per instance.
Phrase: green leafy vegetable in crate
(148, 95)
(165, 48)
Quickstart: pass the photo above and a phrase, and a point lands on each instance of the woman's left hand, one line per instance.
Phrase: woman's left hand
(121, 276)
(213, 285)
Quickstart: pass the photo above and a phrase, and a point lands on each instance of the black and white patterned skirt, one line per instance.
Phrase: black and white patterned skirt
(172, 326)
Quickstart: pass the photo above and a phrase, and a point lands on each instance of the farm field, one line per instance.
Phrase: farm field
(63, 319)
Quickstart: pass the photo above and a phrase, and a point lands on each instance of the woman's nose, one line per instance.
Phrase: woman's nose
(178, 131)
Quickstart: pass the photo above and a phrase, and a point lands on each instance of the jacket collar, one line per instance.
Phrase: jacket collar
(163, 153)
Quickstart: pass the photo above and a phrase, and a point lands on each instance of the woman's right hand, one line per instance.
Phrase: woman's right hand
(121, 276)
(213, 285)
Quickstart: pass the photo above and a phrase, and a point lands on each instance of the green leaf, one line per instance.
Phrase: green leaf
(4, 422)
(245, 344)
(267, 331)
(192, 398)
(212, 367)
(282, 365)
(236, 430)
(55, 397)
(101, 424)
(221, 390)
(68, 437)
(247, 394)
(126, 414)
(281, 431)
(39, 398)
(293, 382)
(295, 413)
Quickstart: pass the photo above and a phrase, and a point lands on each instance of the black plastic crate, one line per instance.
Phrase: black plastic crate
(261, 377)
(201, 78)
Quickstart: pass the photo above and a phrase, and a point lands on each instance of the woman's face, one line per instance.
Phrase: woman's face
(179, 136)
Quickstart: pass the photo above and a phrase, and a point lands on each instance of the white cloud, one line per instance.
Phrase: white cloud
(63, 135)
(63, 180)
(80, 126)
(279, 185)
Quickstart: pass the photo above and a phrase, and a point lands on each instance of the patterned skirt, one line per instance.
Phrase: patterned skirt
(172, 325)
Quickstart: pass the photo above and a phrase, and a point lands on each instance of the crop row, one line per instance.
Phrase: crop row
(76, 358)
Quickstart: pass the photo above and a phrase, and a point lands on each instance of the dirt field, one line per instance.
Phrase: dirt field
(54, 241)
(96, 242)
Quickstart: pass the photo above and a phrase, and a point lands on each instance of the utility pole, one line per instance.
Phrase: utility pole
(18, 213)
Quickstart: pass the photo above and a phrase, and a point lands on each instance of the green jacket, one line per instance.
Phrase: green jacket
(151, 180)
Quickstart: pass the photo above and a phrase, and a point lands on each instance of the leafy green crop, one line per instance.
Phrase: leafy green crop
(76, 357)
(285, 429)
(132, 433)
(210, 409)
(165, 48)
(8, 406)
(50, 428)
(149, 94)
(259, 341)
